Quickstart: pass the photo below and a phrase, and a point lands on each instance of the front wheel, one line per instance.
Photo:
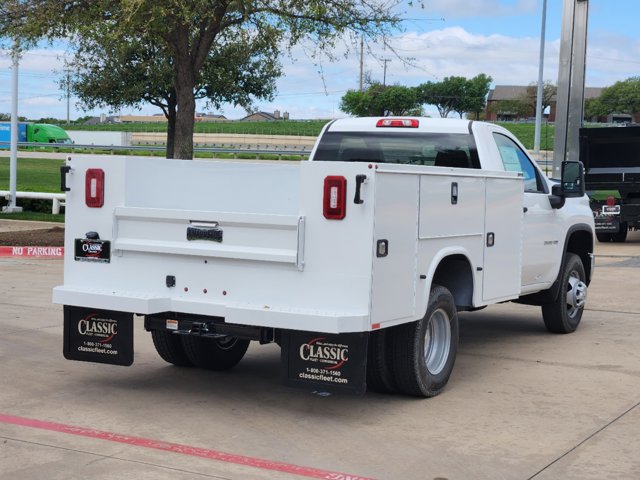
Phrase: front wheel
(564, 314)
(423, 352)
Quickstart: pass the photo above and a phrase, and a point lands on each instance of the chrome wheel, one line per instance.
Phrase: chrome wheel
(576, 294)
(437, 341)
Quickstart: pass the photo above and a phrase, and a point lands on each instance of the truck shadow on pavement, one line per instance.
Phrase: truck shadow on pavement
(256, 379)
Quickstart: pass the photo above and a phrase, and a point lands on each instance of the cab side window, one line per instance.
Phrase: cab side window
(515, 160)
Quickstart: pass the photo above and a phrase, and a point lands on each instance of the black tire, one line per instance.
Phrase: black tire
(423, 352)
(379, 375)
(621, 236)
(604, 237)
(564, 314)
(214, 353)
(169, 347)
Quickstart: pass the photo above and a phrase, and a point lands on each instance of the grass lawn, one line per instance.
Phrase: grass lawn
(32, 216)
(283, 127)
(34, 174)
(525, 132)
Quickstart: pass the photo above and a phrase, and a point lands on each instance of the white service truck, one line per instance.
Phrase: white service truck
(356, 262)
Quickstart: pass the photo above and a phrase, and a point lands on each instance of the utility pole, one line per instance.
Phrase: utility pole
(68, 82)
(384, 76)
(570, 105)
(536, 139)
(13, 159)
(361, 62)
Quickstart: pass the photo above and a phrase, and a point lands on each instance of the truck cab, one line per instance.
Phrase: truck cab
(45, 133)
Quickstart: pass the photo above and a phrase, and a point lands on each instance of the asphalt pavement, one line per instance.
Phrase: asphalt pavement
(521, 403)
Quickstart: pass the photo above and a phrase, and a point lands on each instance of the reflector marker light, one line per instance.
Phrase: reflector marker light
(94, 188)
(398, 122)
(611, 201)
(334, 205)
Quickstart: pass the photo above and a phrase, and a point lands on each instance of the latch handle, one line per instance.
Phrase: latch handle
(64, 169)
(359, 181)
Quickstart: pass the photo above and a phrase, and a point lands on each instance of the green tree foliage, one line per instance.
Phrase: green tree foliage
(188, 31)
(456, 94)
(379, 100)
(476, 94)
(593, 108)
(621, 97)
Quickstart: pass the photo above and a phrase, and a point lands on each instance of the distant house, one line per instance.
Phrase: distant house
(266, 117)
(209, 117)
(508, 93)
(102, 119)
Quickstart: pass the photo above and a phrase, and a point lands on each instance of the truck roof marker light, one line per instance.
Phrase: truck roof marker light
(94, 188)
(334, 204)
(398, 123)
(611, 201)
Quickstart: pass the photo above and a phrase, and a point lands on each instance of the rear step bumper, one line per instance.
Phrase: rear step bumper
(270, 316)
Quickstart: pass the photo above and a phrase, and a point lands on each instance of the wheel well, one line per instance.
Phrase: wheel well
(454, 273)
(581, 243)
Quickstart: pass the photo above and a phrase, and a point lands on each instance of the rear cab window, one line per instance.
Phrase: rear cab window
(431, 149)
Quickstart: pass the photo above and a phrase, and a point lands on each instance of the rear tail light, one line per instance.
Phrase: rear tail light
(335, 195)
(94, 188)
(398, 122)
(611, 201)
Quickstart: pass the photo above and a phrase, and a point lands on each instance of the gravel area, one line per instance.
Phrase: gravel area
(48, 237)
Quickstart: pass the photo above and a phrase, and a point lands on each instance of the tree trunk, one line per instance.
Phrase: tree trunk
(186, 109)
(171, 128)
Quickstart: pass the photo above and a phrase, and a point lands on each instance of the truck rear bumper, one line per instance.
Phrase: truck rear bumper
(289, 318)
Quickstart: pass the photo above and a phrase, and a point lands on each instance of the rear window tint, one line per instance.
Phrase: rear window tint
(432, 149)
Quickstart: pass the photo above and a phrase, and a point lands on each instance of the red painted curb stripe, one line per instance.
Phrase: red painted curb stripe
(39, 252)
(177, 448)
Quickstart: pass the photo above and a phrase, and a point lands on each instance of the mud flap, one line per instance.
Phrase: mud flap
(99, 336)
(607, 224)
(328, 362)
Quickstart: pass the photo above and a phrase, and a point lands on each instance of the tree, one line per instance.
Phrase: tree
(456, 94)
(447, 95)
(476, 94)
(379, 100)
(187, 31)
(116, 72)
(621, 97)
(549, 91)
(593, 108)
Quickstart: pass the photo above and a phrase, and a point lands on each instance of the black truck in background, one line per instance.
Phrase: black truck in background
(611, 156)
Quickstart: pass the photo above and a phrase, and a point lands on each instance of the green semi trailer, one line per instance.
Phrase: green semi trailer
(33, 133)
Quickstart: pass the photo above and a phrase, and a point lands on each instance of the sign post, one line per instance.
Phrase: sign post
(571, 76)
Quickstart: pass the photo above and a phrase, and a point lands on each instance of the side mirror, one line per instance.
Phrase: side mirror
(572, 182)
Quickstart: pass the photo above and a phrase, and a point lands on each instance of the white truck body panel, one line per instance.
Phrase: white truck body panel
(281, 264)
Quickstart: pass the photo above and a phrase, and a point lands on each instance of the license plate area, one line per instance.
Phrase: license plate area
(88, 250)
(99, 336)
(611, 210)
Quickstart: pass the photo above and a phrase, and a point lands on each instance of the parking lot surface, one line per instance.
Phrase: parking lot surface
(521, 403)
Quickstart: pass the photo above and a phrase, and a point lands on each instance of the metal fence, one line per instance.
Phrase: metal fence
(234, 150)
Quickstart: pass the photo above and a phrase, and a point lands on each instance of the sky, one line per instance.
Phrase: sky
(500, 38)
